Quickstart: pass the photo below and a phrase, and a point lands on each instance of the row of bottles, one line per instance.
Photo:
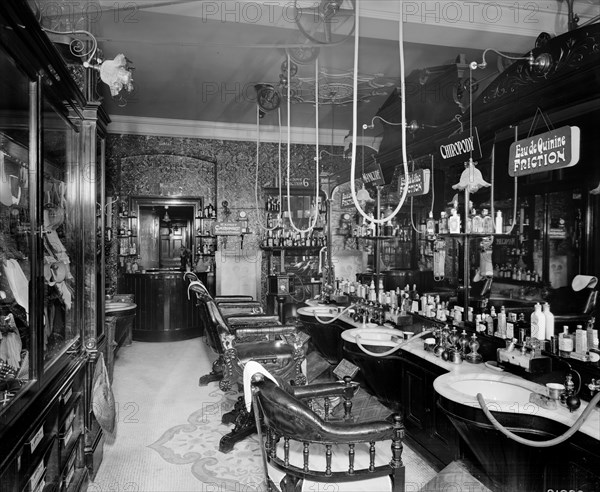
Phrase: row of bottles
(393, 228)
(280, 238)
(127, 247)
(450, 222)
(209, 212)
(515, 272)
(578, 344)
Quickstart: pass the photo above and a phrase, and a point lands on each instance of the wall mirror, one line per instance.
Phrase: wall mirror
(164, 230)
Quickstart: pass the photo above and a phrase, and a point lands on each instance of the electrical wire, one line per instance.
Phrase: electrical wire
(258, 213)
(289, 128)
(354, 123)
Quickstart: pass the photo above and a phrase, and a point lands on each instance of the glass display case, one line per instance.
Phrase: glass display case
(48, 259)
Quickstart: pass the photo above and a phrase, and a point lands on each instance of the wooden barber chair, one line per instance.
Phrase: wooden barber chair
(301, 447)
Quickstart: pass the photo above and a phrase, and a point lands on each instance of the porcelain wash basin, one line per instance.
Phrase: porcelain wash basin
(321, 310)
(499, 388)
(113, 306)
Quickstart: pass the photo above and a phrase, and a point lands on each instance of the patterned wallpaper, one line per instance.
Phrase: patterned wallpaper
(170, 166)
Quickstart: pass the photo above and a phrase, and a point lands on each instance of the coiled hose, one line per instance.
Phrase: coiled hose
(540, 444)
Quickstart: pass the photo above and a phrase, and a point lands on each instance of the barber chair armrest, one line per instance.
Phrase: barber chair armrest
(346, 432)
(270, 330)
(321, 390)
(252, 320)
(219, 299)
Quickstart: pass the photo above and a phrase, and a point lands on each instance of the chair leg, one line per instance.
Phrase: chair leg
(245, 425)
(215, 375)
(231, 416)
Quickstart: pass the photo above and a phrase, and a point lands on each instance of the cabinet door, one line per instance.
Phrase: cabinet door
(417, 406)
(61, 239)
(16, 257)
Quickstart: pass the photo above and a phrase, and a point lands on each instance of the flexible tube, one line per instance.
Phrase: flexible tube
(393, 349)
(540, 444)
(335, 318)
(354, 123)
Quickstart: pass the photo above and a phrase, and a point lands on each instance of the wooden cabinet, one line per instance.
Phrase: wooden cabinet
(404, 382)
(426, 424)
(164, 312)
(50, 159)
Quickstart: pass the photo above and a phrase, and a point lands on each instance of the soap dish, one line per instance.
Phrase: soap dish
(494, 365)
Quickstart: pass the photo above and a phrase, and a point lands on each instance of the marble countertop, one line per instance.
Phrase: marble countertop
(468, 371)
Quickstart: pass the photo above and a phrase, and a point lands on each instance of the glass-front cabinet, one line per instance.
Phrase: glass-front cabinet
(48, 255)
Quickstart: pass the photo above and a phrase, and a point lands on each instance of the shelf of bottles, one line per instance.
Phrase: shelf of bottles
(279, 232)
(126, 237)
(206, 244)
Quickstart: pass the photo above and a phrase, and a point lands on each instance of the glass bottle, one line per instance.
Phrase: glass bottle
(487, 222)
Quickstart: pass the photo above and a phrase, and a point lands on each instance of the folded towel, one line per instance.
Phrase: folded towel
(250, 369)
(580, 282)
(18, 282)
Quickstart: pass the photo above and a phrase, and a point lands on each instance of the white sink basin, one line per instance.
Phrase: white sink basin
(320, 311)
(493, 387)
(492, 390)
(374, 336)
(112, 306)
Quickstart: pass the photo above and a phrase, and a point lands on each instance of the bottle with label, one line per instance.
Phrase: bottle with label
(522, 328)
(443, 225)
(498, 226)
(487, 222)
(501, 332)
(430, 225)
(549, 321)
(454, 222)
(538, 323)
(565, 343)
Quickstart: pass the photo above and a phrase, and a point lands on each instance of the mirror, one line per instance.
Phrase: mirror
(165, 231)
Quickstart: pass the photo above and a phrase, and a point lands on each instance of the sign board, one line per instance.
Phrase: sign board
(459, 147)
(418, 182)
(296, 182)
(547, 151)
(228, 229)
(372, 174)
(346, 200)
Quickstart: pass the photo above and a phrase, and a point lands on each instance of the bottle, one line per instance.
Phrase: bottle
(469, 222)
(372, 294)
(499, 227)
(430, 226)
(565, 343)
(443, 226)
(538, 323)
(488, 222)
(489, 322)
(477, 226)
(454, 222)
(522, 328)
(501, 323)
(549, 321)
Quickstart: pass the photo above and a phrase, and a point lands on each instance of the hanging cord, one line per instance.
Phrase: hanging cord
(316, 215)
(354, 123)
(258, 213)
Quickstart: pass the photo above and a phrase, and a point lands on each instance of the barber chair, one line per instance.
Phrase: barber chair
(299, 447)
(279, 347)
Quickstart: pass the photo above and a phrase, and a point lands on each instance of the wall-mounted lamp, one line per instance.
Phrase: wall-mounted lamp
(541, 64)
(116, 73)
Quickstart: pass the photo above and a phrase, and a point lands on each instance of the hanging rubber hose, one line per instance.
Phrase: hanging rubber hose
(335, 318)
(393, 349)
(539, 444)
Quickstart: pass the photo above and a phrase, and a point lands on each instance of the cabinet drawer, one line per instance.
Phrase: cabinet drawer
(70, 468)
(37, 475)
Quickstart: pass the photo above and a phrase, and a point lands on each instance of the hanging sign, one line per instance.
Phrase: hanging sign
(372, 174)
(228, 229)
(548, 151)
(459, 147)
(418, 183)
(346, 200)
(296, 183)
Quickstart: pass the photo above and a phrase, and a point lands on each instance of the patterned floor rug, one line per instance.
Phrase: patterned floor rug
(197, 442)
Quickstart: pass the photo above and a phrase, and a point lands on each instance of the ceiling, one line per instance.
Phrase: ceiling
(197, 62)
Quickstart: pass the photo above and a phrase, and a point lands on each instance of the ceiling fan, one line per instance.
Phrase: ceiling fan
(327, 21)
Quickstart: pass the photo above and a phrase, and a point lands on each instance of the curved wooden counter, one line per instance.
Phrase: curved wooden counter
(164, 312)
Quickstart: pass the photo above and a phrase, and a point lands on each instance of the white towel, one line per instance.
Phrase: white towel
(580, 282)
(19, 285)
(250, 369)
